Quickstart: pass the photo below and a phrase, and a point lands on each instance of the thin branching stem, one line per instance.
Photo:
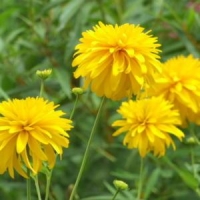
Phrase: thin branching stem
(86, 154)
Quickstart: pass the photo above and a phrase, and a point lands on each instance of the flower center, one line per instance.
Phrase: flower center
(176, 87)
(28, 128)
(117, 49)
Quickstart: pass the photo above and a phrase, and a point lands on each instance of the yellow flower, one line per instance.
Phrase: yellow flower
(180, 84)
(148, 124)
(31, 133)
(116, 61)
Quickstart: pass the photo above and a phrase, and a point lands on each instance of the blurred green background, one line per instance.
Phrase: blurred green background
(40, 34)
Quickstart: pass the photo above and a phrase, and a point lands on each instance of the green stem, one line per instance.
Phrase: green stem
(192, 161)
(192, 132)
(28, 185)
(37, 187)
(140, 179)
(116, 193)
(41, 88)
(120, 9)
(31, 11)
(86, 152)
(195, 137)
(74, 108)
(103, 16)
(48, 177)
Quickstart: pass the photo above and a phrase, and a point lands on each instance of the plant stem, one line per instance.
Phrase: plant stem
(103, 17)
(85, 156)
(192, 132)
(48, 177)
(116, 193)
(41, 88)
(140, 179)
(74, 107)
(28, 185)
(37, 187)
(193, 161)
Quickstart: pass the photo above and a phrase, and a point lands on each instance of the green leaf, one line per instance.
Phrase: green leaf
(64, 80)
(3, 94)
(188, 44)
(14, 34)
(103, 197)
(185, 175)
(69, 11)
(153, 179)
(188, 178)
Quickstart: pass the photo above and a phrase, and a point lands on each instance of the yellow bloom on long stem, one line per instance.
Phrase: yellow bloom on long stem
(148, 124)
(116, 61)
(179, 83)
(31, 132)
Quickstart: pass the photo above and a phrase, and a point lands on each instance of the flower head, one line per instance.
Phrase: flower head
(179, 83)
(148, 124)
(31, 132)
(116, 61)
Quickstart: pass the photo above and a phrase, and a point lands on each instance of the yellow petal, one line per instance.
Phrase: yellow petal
(51, 155)
(22, 140)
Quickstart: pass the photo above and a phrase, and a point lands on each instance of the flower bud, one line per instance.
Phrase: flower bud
(121, 185)
(191, 140)
(77, 90)
(44, 74)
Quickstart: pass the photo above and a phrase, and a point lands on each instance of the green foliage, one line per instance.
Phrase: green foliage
(40, 34)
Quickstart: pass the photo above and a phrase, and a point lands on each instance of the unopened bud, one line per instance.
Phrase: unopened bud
(44, 74)
(191, 140)
(77, 91)
(121, 185)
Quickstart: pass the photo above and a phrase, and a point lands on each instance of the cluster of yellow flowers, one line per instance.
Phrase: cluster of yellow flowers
(116, 62)
(121, 61)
